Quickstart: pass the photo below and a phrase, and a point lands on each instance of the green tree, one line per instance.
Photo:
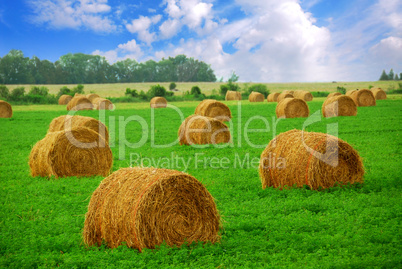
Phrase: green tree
(4, 92)
(391, 74)
(36, 90)
(396, 77)
(195, 90)
(384, 76)
(233, 77)
(17, 94)
(261, 88)
(158, 90)
(172, 86)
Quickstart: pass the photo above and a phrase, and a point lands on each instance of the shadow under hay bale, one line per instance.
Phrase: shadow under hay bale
(379, 94)
(102, 103)
(64, 99)
(339, 105)
(332, 94)
(201, 130)
(232, 95)
(145, 207)
(214, 109)
(314, 159)
(304, 95)
(79, 152)
(292, 108)
(282, 96)
(92, 96)
(79, 103)
(273, 97)
(158, 102)
(256, 97)
(67, 122)
(6, 111)
(363, 97)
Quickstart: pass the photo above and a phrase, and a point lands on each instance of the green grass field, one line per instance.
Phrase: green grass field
(41, 220)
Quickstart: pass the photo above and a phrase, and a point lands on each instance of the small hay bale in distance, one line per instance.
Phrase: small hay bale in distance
(102, 103)
(79, 103)
(256, 97)
(64, 99)
(213, 109)
(363, 97)
(158, 102)
(292, 108)
(79, 152)
(314, 159)
(92, 96)
(145, 206)
(332, 94)
(379, 94)
(349, 93)
(304, 95)
(339, 105)
(68, 122)
(288, 91)
(233, 95)
(273, 97)
(282, 96)
(201, 130)
(6, 111)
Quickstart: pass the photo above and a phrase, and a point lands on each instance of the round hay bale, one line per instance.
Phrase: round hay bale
(67, 122)
(349, 93)
(158, 102)
(339, 105)
(379, 94)
(79, 152)
(214, 109)
(201, 130)
(292, 108)
(102, 103)
(283, 96)
(314, 159)
(92, 96)
(363, 97)
(332, 94)
(146, 206)
(6, 111)
(256, 97)
(64, 99)
(288, 91)
(79, 103)
(232, 95)
(78, 94)
(273, 97)
(304, 95)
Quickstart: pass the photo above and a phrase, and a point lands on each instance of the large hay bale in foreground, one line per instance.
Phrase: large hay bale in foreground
(79, 152)
(256, 97)
(102, 103)
(273, 97)
(282, 96)
(201, 130)
(214, 109)
(339, 105)
(79, 103)
(158, 102)
(304, 95)
(314, 159)
(349, 93)
(379, 94)
(64, 99)
(232, 95)
(332, 94)
(292, 108)
(67, 122)
(6, 111)
(145, 207)
(363, 97)
(92, 96)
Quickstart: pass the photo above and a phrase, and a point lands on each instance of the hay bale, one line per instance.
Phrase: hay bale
(158, 102)
(304, 95)
(283, 96)
(146, 206)
(379, 94)
(292, 108)
(314, 159)
(288, 91)
(332, 94)
(200, 130)
(232, 95)
(92, 96)
(79, 152)
(102, 103)
(79, 103)
(349, 93)
(273, 97)
(363, 97)
(6, 111)
(64, 99)
(339, 105)
(256, 97)
(78, 94)
(214, 109)
(68, 122)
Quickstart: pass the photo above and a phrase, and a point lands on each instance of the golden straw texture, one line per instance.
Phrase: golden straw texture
(349, 93)
(304, 95)
(256, 97)
(6, 111)
(379, 94)
(158, 102)
(232, 95)
(363, 97)
(292, 108)
(92, 96)
(102, 103)
(339, 105)
(283, 96)
(214, 109)
(273, 97)
(79, 103)
(64, 99)
(332, 94)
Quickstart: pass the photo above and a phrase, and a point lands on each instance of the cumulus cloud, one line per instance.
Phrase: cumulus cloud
(141, 27)
(131, 49)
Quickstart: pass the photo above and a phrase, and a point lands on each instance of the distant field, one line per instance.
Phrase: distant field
(118, 89)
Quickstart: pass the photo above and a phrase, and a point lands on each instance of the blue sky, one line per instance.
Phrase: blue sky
(261, 40)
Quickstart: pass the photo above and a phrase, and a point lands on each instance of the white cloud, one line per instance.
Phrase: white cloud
(141, 27)
(388, 52)
(169, 28)
(131, 49)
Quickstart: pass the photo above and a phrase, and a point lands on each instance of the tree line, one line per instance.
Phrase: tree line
(390, 76)
(81, 68)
